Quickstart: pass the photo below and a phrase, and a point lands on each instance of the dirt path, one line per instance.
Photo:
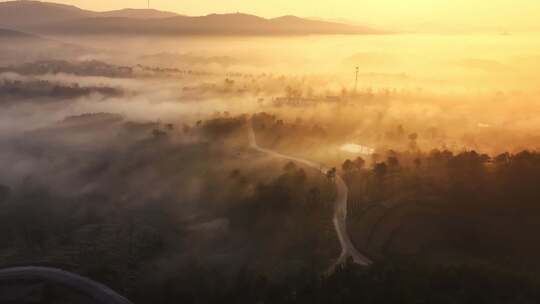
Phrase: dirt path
(340, 215)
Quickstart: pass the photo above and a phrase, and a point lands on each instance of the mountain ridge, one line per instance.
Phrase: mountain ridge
(58, 19)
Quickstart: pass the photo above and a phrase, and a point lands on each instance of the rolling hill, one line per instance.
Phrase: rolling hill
(11, 34)
(57, 19)
(137, 13)
(19, 47)
(19, 14)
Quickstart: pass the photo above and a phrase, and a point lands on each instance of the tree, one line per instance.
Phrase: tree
(348, 166)
(375, 158)
(502, 159)
(393, 163)
(380, 170)
(331, 174)
(301, 176)
(314, 195)
(359, 163)
(290, 166)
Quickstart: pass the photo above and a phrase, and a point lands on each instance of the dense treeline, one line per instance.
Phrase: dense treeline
(447, 206)
(138, 204)
(191, 214)
(394, 280)
(83, 68)
(14, 90)
(289, 219)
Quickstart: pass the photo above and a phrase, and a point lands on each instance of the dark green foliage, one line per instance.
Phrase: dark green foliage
(394, 280)
(448, 207)
(288, 220)
(166, 221)
(220, 127)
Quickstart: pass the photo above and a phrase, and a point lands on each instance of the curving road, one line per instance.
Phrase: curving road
(340, 215)
(99, 293)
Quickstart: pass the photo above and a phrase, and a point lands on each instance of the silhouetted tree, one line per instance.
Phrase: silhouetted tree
(348, 166)
(359, 163)
(331, 174)
(393, 163)
(290, 166)
(380, 170)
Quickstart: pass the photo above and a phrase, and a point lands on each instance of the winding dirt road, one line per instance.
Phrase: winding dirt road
(340, 214)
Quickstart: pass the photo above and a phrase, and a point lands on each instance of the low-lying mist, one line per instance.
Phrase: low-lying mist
(136, 149)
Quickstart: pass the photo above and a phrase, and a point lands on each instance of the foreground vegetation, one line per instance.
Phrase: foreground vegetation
(448, 207)
(392, 280)
(166, 212)
(139, 206)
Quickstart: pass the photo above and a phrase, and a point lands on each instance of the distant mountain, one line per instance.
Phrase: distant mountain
(58, 19)
(137, 13)
(14, 14)
(25, 13)
(215, 24)
(338, 20)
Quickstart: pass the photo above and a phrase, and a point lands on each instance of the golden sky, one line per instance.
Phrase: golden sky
(503, 14)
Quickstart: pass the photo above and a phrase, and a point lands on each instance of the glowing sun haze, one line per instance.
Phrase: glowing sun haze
(501, 14)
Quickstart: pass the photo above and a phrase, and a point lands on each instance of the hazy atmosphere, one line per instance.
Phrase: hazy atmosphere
(257, 152)
(475, 15)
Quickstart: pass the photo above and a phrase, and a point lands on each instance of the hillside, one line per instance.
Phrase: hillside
(222, 24)
(137, 13)
(57, 19)
(19, 14)
(11, 34)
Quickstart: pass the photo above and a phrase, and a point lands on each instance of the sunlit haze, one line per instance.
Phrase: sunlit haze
(457, 15)
(276, 152)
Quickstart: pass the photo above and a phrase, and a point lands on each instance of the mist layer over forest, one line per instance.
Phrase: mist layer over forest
(128, 160)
